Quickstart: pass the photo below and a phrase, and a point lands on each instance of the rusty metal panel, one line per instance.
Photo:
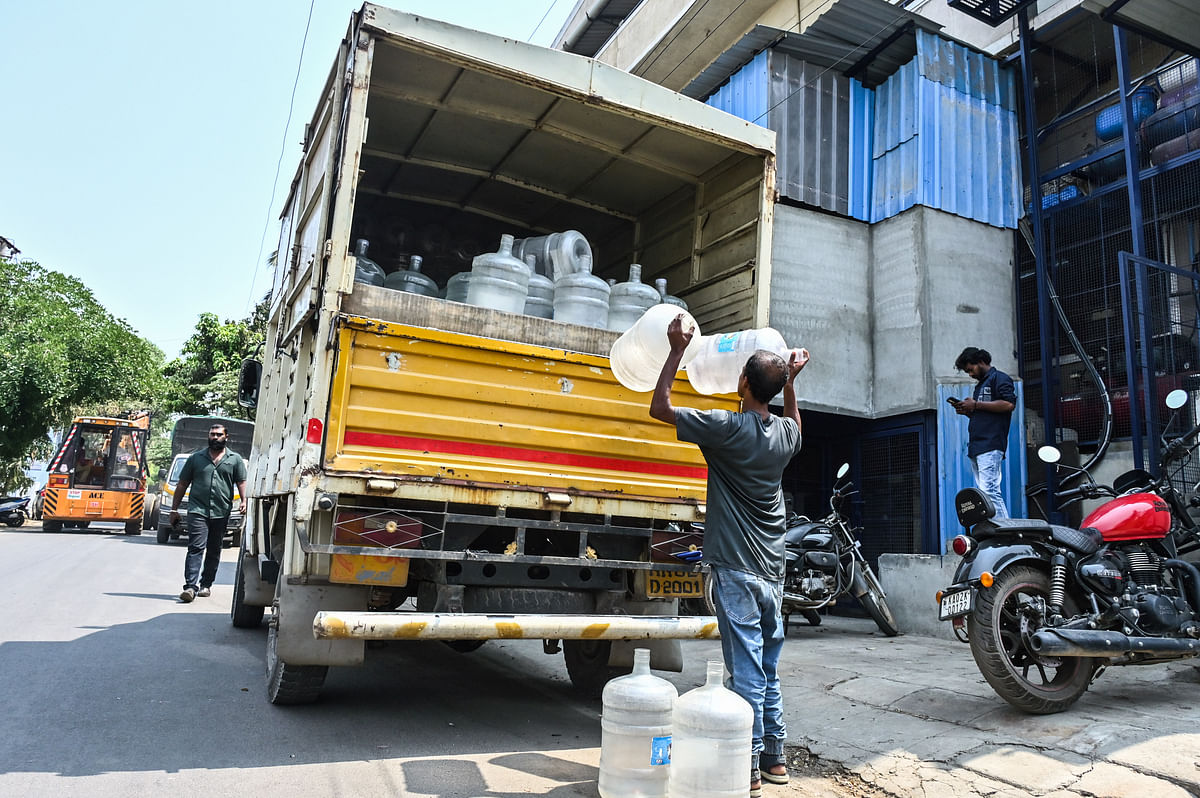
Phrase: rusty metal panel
(420, 404)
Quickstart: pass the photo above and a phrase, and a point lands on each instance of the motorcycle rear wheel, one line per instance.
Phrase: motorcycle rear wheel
(875, 604)
(998, 630)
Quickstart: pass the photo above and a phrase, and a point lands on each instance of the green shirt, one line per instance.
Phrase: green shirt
(212, 484)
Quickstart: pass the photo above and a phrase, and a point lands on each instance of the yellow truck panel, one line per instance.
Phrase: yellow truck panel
(427, 404)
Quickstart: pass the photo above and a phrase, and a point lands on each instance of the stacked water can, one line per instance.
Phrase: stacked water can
(656, 744)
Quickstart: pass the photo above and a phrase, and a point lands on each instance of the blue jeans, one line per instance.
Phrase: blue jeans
(987, 468)
(749, 616)
(205, 536)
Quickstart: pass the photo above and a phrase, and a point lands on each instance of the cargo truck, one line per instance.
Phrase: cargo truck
(189, 434)
(428, 470)
(98, 474)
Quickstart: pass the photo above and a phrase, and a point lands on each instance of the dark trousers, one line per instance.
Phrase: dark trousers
(205, 536)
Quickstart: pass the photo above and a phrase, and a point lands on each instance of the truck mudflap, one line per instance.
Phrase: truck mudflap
(334, 625)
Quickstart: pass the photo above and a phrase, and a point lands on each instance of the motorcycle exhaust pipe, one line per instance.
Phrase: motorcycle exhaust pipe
(1095, 643)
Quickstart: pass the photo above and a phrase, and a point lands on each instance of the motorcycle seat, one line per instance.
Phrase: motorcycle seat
(1084, 541)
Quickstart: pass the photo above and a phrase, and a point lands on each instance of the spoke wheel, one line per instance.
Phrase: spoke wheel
(587, 665)
(999, 629)
(876, 605)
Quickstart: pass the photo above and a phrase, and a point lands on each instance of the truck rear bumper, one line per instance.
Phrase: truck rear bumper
(334, 625)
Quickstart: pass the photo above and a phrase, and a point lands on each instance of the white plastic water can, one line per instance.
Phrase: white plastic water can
(498, 280)
(711, 731)
(635, 741)
(629, 300)
(581, 298)
(637, 357)
(720, 359)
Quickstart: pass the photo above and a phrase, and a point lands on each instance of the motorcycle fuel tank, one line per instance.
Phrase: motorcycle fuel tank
(1138, 516)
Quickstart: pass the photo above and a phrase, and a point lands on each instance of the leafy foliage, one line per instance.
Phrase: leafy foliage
(61, 351)
(203, 380)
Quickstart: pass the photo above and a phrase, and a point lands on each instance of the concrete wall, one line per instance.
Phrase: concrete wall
(820, 285)
(911, 581)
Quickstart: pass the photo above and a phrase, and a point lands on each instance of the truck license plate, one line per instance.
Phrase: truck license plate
(672, 584)
(955, 604)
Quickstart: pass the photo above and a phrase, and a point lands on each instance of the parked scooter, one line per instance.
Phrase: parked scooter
(1045, 608)
(14, 510)
(824, 562)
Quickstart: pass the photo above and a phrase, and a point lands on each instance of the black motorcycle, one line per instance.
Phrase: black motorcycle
(1045, 607)
(14, 510)
(824, 562)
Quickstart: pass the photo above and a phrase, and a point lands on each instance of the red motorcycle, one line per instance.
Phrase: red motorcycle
(1045, 608)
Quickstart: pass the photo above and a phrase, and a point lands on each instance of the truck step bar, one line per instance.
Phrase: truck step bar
(440, 626)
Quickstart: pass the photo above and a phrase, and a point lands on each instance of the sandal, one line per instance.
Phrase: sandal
(776, 778)
(755, 784)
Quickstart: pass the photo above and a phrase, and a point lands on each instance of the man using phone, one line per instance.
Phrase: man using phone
(990, 410)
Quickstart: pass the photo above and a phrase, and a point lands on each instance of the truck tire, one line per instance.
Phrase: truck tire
(133, 527)
(290, 684)
(241, 614)
(52, 526)
(587, 665)
(164, 534)
(150, 512)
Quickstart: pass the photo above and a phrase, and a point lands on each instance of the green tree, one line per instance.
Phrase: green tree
(62, 351)
(203, 380)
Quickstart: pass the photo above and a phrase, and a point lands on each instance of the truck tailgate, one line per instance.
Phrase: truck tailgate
(428, 404)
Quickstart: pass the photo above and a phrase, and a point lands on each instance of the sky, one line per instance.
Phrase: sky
(139, 141)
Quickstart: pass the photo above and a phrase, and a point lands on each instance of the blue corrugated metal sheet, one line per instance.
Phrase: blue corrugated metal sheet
(862, 126)
(746, 95)
(966, 71)
(945, 148)
(810, 112)
(954, 470)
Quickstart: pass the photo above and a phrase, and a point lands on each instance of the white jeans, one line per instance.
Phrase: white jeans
(987, 469)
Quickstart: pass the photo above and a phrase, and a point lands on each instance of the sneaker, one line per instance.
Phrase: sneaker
(755, 784)
(187, 595)
(776, 774)
(203, 592)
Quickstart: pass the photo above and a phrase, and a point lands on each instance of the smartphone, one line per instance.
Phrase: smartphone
(952, 400)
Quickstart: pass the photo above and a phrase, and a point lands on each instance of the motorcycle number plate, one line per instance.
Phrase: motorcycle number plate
(955, 604)
(672, 584)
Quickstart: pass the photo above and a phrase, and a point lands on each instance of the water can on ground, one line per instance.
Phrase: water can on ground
(637, 357)
(499, 280)
(711, 731)
(719, 362)
(556, 254)
(661, 285)
(540, 301)
(629, 300)
(366, 270)
(635, 741)
(581, 298)
(412, 280)
(456, 287)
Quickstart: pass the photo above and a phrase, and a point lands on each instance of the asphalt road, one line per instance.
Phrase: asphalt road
(112, 687)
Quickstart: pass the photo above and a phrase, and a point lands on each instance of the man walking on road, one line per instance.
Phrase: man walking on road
(990, 411)
(746, 453)
(212, 474)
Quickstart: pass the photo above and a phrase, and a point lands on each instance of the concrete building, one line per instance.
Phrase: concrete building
(905, 228)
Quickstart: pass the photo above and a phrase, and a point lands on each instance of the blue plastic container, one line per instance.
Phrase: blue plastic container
(1110, 120)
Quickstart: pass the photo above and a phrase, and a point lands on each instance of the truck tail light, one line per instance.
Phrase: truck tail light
(314, 431)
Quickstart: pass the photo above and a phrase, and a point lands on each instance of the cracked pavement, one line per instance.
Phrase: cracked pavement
(912, 716)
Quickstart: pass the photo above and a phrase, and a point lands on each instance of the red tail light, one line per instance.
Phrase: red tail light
(314, 431)
(962, 545)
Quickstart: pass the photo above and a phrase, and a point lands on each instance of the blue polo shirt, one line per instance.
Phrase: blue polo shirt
(988, 432)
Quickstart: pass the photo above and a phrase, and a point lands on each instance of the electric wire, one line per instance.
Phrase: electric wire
(537, 27)
(282, 150)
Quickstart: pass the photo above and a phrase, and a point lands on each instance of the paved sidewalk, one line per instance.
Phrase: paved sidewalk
(913, 717)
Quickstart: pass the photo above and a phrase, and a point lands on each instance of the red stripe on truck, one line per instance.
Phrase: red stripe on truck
(382, 441)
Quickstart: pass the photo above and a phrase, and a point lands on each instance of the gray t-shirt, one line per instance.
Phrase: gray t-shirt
(746, 455)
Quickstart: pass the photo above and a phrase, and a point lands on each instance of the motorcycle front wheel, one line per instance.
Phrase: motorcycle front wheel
(999, 631)
(875, 604)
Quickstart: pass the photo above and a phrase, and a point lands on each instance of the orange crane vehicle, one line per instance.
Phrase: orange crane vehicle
(98, 474)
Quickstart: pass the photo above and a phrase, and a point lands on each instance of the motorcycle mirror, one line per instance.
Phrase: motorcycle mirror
(1176, 399)
(845, 469)
(1049, 454)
